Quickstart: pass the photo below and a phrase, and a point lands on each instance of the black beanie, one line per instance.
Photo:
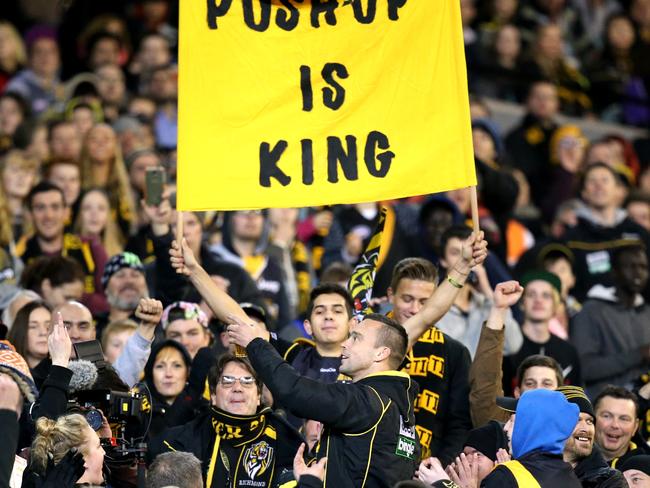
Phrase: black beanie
(488, 439)
(640, 463)
(575, 394)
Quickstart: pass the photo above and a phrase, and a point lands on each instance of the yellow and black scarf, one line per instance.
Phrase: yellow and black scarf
(244, 450)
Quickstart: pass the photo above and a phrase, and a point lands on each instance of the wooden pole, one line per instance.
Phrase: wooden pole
(474, 202)
(179, 228)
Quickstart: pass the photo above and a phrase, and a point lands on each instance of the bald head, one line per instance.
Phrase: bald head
(78, 320)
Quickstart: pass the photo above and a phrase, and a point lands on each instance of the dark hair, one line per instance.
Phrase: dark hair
(541, 361)
(597, 165)
(413, 269)
(393, 336)
(217, 370)
(637, 196)
(20, 101)
(100, 36)
(59, 270)
(634, 247)
(18, 333)
(326, 289)
(43, 187)
(457, 231)
(54, 124)
(619, 393)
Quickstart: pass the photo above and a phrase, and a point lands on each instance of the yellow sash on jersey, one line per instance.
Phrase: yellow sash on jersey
(521, 474)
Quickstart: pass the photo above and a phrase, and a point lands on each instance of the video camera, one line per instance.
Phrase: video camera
(127, 412)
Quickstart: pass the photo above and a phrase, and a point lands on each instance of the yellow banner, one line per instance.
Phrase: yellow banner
(293, 103)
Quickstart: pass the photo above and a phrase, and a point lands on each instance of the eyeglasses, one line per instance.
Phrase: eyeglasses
(229, 381)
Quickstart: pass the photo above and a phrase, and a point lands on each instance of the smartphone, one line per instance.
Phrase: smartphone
(154, 183)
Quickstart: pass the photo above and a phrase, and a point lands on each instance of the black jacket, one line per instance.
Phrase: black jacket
(369, 432)
(549, 470)
(593, 472)
(593, 245)
(198, 437)
(9, 422)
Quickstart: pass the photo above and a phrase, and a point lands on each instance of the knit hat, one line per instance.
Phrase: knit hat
(118, 262)
(575, 394)
(254, 311)
(640, 463)
(14, 365)
(551, 278)
(488, 439)
(183, 310)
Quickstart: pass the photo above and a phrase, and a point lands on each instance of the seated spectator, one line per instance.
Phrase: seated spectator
(94, 221)
(115, 336)
(56, 438)
(102, 166)
(166, 374)
(602, 227)
(47, 209)
(637, 206)
(528, 143)
(65, 141)
(175, 469)
(29, 332)
(112, 89)
(187, 324)
(558, 259)
(611, 333)
(617, 423)
(539, 303)
(57, 279)
(65, 173)
(612, 67)
(474, 302)
(14, 56)
(19, 174)
(499, 74)
(39, 82)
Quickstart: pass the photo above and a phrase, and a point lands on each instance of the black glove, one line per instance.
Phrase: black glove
(66, 473)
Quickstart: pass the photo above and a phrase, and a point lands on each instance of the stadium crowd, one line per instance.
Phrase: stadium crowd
(514, 357)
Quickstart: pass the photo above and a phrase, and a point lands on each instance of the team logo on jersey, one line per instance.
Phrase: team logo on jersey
(257, 459)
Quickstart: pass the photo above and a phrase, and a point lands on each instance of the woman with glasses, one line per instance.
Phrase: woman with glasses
(238, 441)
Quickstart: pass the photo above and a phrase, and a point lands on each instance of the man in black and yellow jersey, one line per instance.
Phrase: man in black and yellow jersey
(369, 423)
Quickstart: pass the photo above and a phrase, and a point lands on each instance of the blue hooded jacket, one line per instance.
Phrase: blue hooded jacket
(544, 421)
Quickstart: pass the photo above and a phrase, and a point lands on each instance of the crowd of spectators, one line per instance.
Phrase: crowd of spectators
(88, 106)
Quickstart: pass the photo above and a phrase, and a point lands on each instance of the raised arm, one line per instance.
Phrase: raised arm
(184, 262)
(473, 252)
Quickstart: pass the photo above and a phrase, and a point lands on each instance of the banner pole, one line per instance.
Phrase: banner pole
(179, 228)
(474, 202)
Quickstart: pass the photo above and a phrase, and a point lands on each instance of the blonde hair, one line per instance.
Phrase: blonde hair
(19, 54)
(54, 438)
(118, 186)
(6, 231)
(20, 158)
(117, 327)
(111, 237)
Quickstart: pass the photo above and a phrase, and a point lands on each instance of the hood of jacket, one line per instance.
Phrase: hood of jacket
(226, 248)
(586, 214)
(544, 420)
(399, 387)
(148, 369)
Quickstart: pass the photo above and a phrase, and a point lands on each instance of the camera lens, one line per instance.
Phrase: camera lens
(94, 419)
